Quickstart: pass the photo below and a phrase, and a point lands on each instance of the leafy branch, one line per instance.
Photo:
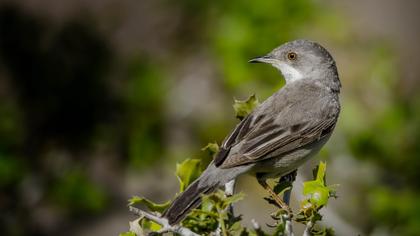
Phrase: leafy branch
(215, 214)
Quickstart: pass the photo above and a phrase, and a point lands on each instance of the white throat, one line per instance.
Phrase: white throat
(289, 73)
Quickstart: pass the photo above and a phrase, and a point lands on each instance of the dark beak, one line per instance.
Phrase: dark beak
(263, 59)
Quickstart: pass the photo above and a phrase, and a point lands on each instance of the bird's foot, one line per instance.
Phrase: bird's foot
(288, 180)
(275, 197)
(291, 177)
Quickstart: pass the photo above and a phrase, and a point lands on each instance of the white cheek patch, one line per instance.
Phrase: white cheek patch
(289, 73)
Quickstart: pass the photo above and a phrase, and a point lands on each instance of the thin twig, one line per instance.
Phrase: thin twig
(288, 230)
(255, 224)
(229, 191)
(308, 229)
(166, 227)
(257, 228)
(218, 232)
(222, 225)
(230, 187)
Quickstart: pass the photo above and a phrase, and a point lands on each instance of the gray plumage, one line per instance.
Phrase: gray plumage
(281, 133)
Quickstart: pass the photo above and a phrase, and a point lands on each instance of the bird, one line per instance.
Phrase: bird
(281, 133)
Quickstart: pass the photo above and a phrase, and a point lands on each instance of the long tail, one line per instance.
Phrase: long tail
(211, 179)
(188, 200)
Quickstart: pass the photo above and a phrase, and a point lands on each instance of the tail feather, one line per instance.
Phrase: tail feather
(208, 182)
(188, 200)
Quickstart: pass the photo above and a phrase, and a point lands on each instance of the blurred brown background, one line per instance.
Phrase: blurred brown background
(100, 99)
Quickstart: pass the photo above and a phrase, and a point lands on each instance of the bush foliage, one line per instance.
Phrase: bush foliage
(213, 215)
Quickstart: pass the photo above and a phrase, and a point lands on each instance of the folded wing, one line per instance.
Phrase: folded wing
(259, 134)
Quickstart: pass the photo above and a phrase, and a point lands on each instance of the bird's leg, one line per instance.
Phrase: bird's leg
(276, 197)
(291, 177)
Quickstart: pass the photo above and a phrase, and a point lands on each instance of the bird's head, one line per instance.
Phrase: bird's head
(299, 59)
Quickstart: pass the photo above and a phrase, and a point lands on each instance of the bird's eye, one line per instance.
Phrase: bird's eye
(291, 56)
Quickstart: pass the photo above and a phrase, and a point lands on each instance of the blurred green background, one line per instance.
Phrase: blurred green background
(100, 99)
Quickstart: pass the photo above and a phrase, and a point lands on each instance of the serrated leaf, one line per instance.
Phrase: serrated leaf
(216, 198)
(206, 204)
(211, 148)
(236, 227)
(244, 107)
(234, 198)
(187, 172)
(319, 193)
(149, 204)
(150, 225)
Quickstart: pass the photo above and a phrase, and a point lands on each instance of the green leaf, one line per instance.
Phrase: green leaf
(321, 169)
(317, 190)
(211, 148)
(234, 198)
(127, 234)
(320, 196)
(216, 198)
(243, 108)
(206, 204)
(150, 225)
(187, 172)
(149, 204)
(310, 187)
(213, 211)
(282, 186)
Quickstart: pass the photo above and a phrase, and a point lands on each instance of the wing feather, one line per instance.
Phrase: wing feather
(280, 139)
(235, 136)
